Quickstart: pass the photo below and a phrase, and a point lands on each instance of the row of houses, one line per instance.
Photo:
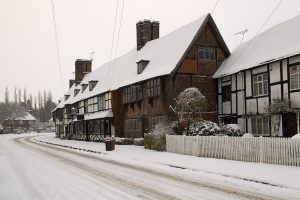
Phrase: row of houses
(19, 122)
(133, 93)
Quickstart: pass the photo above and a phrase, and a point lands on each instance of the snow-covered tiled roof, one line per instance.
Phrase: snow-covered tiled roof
(276, 43)
(25, 117)
(163, 55)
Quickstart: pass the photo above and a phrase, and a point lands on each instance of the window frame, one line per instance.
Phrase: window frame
(264, 130)
(101, 102)
(92, 85)
(133, 124)
(141, 66)
(83, 87)
(262, 84)
(226, 93)
(208, 53)
(132, 93)
(296, 75)
(153, 87)
(159, 119)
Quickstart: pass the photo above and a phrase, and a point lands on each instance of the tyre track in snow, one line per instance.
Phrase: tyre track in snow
(137, 189)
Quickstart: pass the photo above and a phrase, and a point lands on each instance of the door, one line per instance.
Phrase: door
(289, 121)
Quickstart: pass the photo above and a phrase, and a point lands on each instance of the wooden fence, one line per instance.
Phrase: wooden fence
(281, 151)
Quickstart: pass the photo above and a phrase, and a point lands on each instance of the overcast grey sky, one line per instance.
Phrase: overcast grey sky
(27, 45)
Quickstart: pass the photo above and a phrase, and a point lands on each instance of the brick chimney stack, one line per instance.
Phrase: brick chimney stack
(82, 67)
(71, 82)
(146, 31)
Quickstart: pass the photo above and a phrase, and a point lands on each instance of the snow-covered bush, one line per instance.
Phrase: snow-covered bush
(124, 141)
(248, 135)
(231, 130)
(297, 136)
(156, 138)
(203, 128)
(190, 100)
(138, 141)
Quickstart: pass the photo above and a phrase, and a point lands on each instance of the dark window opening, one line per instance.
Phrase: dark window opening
(226, 93)
(132, 93)
(141, 65)
(154, 87)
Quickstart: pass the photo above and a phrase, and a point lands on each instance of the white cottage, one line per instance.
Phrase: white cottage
(258, 71)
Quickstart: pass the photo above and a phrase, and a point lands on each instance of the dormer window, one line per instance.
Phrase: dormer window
(76, 91)
(84, 86)
(66, 97)
(92, 84)
(141, 65)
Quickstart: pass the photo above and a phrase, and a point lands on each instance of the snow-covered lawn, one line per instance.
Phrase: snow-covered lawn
(275, 180)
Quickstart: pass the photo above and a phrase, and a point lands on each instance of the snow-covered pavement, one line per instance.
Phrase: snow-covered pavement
(31, 169)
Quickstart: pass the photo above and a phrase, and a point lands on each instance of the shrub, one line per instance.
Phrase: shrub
(231, 130)
(203, 128)
(124, 141)
(138, 141)
(156, 138)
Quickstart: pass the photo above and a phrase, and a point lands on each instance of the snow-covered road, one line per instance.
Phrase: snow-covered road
(31, 170)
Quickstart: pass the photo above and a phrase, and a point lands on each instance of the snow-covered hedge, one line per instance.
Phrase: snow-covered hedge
(138, 141)
(124, 141)
(208, 128)
(203, 128)
(297, 136)
(231, 130)
(156, 138)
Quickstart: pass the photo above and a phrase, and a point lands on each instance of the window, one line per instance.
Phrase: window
(142, 65)
(66, 97)
(260, 126)
(295, 77)
(76, 91)
(81, 107)
(84, 86)
(226, 93)
(153, 87)
(92, 84)
(260, 84)
(92, 104)
(133, 125)
(98, 126)
(206, 53)
(108, 100)
(86, 106)
(132, 93)
(101, 102)
(298, 122)
(158, 120)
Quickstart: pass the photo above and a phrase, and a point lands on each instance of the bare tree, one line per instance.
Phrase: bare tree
(6, 95)
(25, 95)
(19, 95)
(35, 103)
(16, 95)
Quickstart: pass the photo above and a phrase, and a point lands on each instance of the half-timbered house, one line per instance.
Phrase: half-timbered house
(132, 93)
(257, 72)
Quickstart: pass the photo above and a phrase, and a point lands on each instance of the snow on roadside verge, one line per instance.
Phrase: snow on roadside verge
(274, 180)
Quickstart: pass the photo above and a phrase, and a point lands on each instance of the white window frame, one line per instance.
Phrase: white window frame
(108, 100)
(260, 126)
(295, 76)
(81, 107)
(260, 85)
